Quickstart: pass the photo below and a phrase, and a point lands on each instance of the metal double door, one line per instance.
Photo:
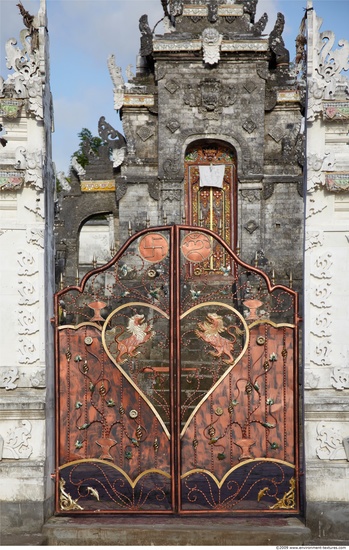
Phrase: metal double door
(176, 377)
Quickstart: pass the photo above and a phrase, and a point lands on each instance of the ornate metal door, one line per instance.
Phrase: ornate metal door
(176, 384)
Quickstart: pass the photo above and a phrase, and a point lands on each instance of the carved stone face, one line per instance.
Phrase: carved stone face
(210, 92)
(210, 36)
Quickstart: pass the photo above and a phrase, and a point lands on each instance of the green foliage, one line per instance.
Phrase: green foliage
(88, 143)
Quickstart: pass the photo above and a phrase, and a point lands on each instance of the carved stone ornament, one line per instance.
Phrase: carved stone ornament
(268, 190)
(329, 65)
(211, 42)
(321, 327)
(118, 81)
(250, 195)
(8, 378)
(331, 443)
(16, 444)
(173, 125)
(145, 132)
(210, 96)
(121, 189)
(340, 378)
(172, 86)
(171, 195)
(251, 226)
(249, 125)
(322, 267)
(313, 239)
(38, 379)
(153, 189)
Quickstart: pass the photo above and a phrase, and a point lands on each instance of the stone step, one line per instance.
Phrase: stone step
(175, 531)
(23, 540)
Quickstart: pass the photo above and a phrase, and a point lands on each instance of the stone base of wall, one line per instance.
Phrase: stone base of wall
(24, 517)
(328, 520)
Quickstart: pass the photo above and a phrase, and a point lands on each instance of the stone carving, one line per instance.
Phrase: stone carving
(8, 378)
(154, 190)
(322, 267)
(145, 132)
(315, 207)
(259, 27)
(38, 379)
(313, 239)
(35, 236)
(321, 327)
(131, 146)
(176, 7)
(33, 174)
(118, 81)
(277, 133)
(281, 55)
(146, 36)
(16, 444)
(250, 195)
(173, 125)
(250, 7)
(321, 352)
(213, 11)
(27, 323)
(268, 190)
(331, 443)
(27, 352)
(251, 226)
(340, 378)
(129, 74)
(80, 171)
(311, 380)
(27, 263)
(160, 72)
(211, 96)
(172, 86)
(28, 293)
(321, 295)
(121, 189)
(32, 25)
(171, 195)
(109, 135)
(249, 125)
(316, 165)
(329, 65)
(211, 42)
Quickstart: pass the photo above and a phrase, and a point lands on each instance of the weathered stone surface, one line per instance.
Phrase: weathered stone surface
(176, 531)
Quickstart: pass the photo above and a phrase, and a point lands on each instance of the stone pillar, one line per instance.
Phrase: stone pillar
(326, 349)
(27, 186)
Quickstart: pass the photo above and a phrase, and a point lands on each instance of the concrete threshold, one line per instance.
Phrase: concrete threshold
(175, 531)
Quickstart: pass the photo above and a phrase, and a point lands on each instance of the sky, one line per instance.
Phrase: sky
(83, 33)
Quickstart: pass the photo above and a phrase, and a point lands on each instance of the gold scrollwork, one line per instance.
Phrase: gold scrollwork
(287, 502)
(65, 500)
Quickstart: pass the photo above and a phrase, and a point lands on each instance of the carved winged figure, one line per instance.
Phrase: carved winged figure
(140, 332)
(210, 332)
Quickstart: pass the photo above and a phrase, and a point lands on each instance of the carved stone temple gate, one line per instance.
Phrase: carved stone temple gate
(176, 383)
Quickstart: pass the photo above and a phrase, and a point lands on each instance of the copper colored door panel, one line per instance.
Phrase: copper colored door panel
(176, 383)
